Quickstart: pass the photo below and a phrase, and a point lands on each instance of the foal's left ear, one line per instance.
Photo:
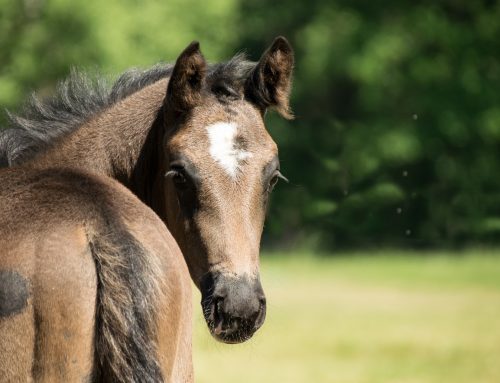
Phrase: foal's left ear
(270, 83)
(186, 82)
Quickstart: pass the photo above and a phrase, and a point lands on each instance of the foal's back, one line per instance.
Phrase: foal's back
(92, 285)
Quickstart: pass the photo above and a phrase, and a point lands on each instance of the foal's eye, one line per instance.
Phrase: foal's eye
(274, 180)
(178, 176)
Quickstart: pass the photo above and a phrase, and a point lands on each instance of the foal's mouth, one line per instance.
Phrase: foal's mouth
(234, 306)
(227, 329)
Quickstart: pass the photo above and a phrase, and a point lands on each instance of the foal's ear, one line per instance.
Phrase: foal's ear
(186, 82)
(270, 83)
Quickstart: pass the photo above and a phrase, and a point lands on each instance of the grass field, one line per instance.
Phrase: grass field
(395, 317)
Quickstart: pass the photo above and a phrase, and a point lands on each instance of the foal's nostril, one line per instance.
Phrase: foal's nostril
(218, 304)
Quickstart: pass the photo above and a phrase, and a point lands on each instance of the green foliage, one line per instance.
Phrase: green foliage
(40, 40)
(398, 121)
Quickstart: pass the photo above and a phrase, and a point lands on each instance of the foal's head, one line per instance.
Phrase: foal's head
(221, 166)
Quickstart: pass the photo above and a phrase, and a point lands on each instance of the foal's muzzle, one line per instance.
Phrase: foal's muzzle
(234, 307)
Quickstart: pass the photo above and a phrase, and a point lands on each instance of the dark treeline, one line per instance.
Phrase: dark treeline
(397, 135)
(397, 132)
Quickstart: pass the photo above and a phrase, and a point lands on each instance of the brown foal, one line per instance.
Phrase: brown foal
(190, 141)
(93, 288)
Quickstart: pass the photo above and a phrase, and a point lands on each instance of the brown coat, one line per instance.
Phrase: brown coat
(92, 285)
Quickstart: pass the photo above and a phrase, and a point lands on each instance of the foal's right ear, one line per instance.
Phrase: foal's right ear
(186, 82)
(270, 83)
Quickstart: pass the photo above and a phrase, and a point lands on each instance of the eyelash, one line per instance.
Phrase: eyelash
(274, 180)
(177, 175)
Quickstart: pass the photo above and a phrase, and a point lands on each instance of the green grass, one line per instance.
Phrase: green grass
(395, 317)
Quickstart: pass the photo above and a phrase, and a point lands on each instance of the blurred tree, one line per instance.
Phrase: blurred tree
(397, 132)
(40, 40)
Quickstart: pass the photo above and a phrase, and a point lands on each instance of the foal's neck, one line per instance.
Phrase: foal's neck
(113, 142)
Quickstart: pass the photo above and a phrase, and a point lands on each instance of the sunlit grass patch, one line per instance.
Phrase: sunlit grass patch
(394, 317)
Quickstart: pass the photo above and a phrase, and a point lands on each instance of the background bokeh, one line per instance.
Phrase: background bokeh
(395, 145)
(398, 122)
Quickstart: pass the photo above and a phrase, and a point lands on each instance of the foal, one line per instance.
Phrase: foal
(93, 288)
(190, 141)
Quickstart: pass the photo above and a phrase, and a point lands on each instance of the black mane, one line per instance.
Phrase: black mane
(81, 96)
